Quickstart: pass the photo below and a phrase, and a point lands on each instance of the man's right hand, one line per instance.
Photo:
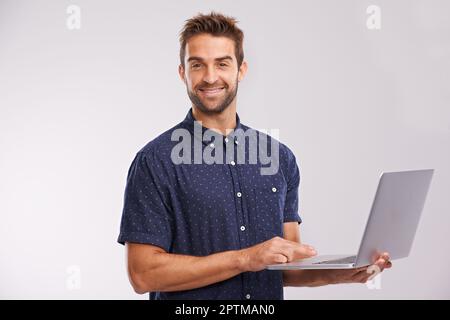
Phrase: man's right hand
(275, 250)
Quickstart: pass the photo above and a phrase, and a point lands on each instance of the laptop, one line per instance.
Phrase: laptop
(391, 226)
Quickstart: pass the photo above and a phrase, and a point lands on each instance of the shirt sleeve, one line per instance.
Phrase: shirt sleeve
(146, 214)
(293, 182)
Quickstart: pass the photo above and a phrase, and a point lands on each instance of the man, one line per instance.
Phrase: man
(201, 230)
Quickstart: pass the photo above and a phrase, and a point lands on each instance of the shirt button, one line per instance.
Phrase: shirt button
(226, 139)
(274, 189)
(247, 296)
(232, 163)
(212, 145)
(239, 194)
(242, 228)
(235, 141)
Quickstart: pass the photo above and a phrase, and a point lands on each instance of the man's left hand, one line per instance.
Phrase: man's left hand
(358, 275)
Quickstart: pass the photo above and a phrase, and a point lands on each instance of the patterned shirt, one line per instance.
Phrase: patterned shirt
(199, 209)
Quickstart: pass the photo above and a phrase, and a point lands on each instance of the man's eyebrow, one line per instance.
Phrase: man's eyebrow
(224, 58)
(193, 58)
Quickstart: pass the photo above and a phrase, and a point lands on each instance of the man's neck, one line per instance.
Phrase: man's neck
(219, 122)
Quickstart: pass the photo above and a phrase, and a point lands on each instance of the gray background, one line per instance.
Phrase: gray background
(76, 105)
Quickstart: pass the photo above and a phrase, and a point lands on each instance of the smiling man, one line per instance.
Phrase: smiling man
(207, 231)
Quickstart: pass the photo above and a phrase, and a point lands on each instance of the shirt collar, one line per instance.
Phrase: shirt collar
(189, 122)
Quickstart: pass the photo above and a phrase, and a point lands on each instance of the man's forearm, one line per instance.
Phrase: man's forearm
(175, 272)
(305, 278)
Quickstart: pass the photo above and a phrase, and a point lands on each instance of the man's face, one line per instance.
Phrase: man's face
(211, 72)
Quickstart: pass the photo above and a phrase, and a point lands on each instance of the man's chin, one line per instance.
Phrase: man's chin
(215, 108)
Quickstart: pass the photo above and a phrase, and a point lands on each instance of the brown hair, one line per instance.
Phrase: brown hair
(217, 25)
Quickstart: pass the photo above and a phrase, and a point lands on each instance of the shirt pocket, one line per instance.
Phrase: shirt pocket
(267, 209)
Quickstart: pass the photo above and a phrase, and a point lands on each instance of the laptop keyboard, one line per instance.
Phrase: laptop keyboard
(345, 260)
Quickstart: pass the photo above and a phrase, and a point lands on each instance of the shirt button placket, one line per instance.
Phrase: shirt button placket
(241, 219)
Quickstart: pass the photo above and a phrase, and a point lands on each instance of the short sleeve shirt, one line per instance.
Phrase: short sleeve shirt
(200, 208)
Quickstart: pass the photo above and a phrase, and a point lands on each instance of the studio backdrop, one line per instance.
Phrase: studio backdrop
(354, 87)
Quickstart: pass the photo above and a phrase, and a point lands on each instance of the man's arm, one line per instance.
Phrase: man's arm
(315, 278)
(150, 268)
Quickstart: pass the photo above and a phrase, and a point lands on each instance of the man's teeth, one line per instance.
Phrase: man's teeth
(213, 89)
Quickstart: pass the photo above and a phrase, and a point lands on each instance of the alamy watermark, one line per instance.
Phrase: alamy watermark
(73, 280)
(73, 21)
(252, 147)
(373, 21)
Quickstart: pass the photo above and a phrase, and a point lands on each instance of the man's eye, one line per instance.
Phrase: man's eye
(224, 65)
(196, 65)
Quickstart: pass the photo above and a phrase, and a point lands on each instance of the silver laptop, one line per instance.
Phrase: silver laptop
(391, 226)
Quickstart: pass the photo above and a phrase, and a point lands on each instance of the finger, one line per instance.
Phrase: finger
(297, 251)
(386, 265)
(286, 251)
(296, 244)
(380, 264)
(279, 258)
(383, 263)
(304, 252)
(385, 256)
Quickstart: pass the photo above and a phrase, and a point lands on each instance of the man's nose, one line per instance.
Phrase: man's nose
(211, 75)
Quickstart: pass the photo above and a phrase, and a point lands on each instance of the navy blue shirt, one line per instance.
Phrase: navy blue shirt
(201, 209)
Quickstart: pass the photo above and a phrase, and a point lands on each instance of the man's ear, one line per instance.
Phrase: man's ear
(242, 70)
(181, 73)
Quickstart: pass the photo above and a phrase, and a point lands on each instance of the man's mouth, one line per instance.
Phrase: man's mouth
(211, 91)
